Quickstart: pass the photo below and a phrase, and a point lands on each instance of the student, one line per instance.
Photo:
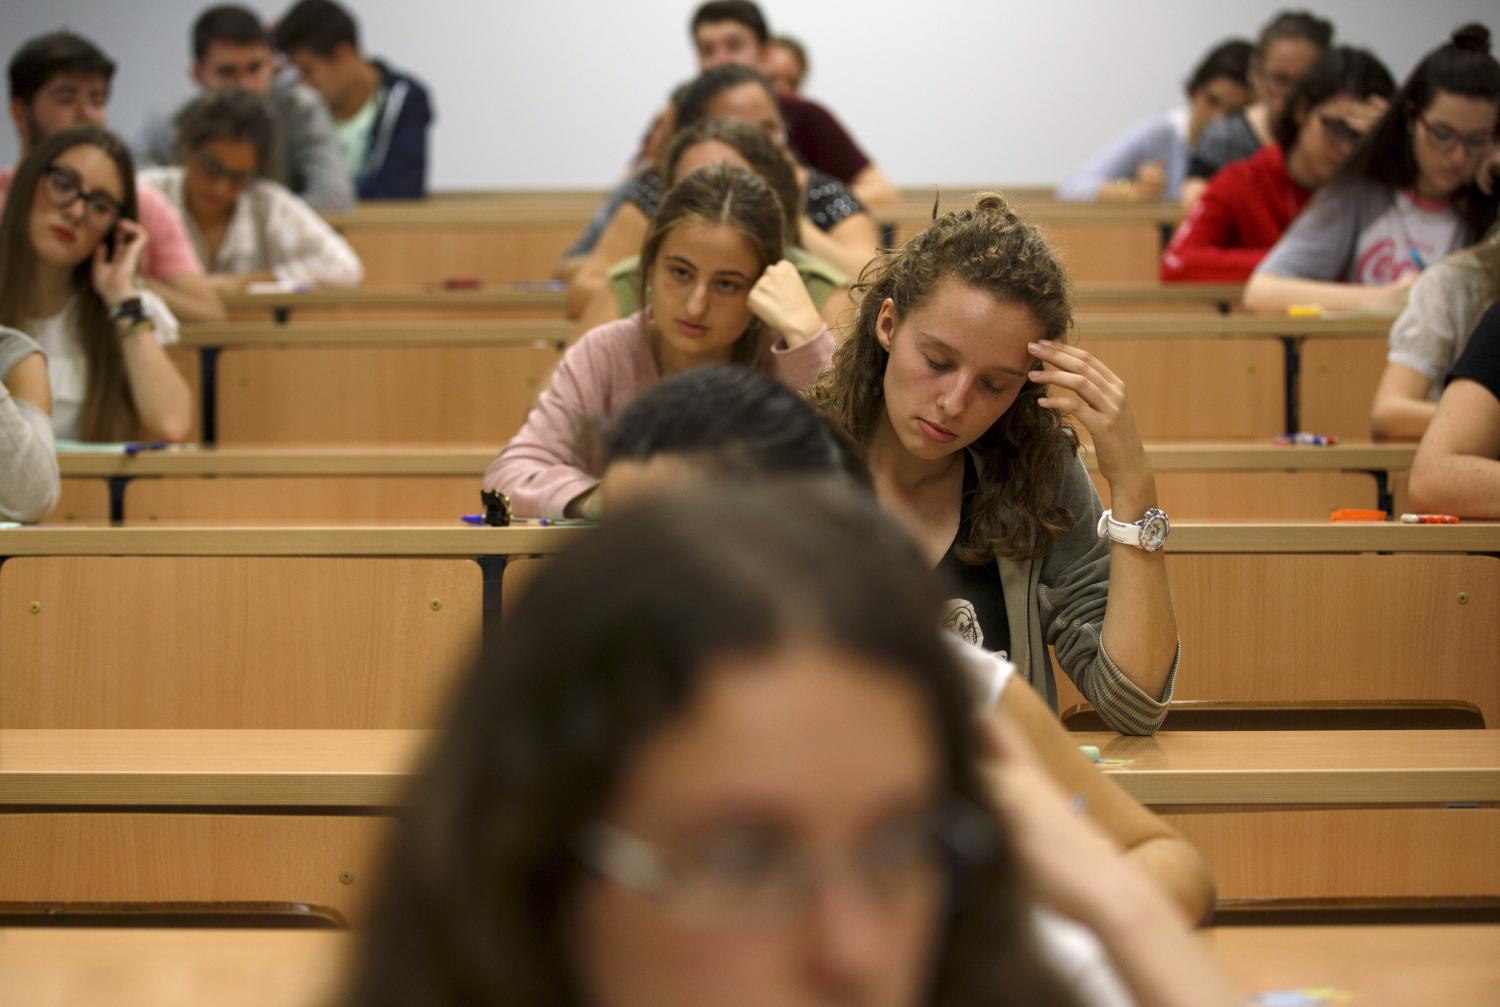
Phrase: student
(29, 485)
(69, 248)
(785, 63)
(1287, 48)
(1249, 204)
(380, 115)
(722, 755)
(1445, 305)
(717, 289)
(61, 80)
(1405, 197)
(835, 226)
(1457, 468)
(941, 381)
(231, 48)
(726, 426)
(1149, 160)
(244, 227)
(730, 141)
(734, 31)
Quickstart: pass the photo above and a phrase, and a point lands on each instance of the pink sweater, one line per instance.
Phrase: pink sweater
(556, 455)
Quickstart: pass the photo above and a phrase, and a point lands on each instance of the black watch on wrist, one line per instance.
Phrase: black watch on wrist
(132, 310)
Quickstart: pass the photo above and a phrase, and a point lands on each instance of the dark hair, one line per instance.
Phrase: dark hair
(742, 11)
(1294, 24)
(319, 26)
(108, 412)
(608, 647)
(1023, 455)
(708, 85)
(228, 113)
(798, 51)
(1230, 60)
(738, 423)
(1462, 66)
(730, 195)
(1344, 70)
(227, 23)
(42, 58)
(766, 159)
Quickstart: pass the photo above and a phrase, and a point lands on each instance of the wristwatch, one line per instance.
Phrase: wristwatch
(129, 314)
(1149, 533)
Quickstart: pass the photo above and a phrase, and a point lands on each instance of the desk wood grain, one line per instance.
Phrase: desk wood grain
(1306, 767)
(450, 331)
(326, 540)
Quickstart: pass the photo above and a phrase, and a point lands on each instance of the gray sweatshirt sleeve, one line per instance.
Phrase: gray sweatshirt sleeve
(315, 166)
(1073, 592)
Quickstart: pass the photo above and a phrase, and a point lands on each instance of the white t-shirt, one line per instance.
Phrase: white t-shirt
(1445, 304)
(67, 359)
(1080, 960)
(988, 672)
(353, 134)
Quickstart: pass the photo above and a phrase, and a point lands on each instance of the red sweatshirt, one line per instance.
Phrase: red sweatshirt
(1242, 213)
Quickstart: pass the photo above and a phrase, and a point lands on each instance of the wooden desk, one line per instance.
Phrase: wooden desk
(400, 300)
(270, 540)
(1356, 537)
(447, 332)
(1306, 767)
(1382, 966)
(76, 967)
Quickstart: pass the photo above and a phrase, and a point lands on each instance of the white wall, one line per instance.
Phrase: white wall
(557, 93)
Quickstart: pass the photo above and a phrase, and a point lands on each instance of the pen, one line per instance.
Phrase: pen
(135, 449)
(1321, 440)
(1416, 256)
(1429, 519)
(471, 518)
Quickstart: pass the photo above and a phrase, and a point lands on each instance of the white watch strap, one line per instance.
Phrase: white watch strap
(1119, 531)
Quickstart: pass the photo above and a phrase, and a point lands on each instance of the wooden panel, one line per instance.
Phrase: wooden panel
(1254, 496)
(315, 499)
(1347, 853)
(186, 857)
(1198, 388)
(433, 254)
(1339, 627)
(82, 500)
(232, 641)
(449, 539)
(88, 967)
(1380, 966)
(1339, 378)
(519, 573)
(387, 395)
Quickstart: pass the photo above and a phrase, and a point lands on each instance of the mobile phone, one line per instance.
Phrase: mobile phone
(109, 244)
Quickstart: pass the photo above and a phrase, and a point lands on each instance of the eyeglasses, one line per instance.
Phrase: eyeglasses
(752, 878)
(1447, 139)
(1340, 131)
(63, 189)
(216, 171)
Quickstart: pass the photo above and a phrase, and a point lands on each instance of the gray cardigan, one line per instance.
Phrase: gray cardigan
(1059, 601)
(28, 477)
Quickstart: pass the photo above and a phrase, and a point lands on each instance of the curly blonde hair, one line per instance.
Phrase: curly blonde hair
(1023, 457)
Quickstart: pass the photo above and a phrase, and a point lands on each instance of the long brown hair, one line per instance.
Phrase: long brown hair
(1021, 458)
(108, 412)
(1483, 259)
(766, 159)
(730, 195)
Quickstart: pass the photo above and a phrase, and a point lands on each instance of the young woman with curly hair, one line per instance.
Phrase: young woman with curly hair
(942, 382)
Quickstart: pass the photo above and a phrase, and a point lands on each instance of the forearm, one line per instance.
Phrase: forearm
(1156, 955)
(846, 256)
(161, 394)
(1179, 870)
(191, 297)
(874, 189)
(1398, 418)
(1192, 188)
(1140, 626)
(1453, 483)
(1266, 291)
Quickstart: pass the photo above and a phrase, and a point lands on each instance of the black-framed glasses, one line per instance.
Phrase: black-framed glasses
(218, 172)
(64, 188)
(754, 878)
(1447, 139)
(1340, 131)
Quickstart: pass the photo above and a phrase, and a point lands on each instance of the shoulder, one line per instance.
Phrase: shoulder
(805, 110)
(811, 267)
(164, 178)
(15, 346)
(619, 338)
(152, 200)
(391, 77)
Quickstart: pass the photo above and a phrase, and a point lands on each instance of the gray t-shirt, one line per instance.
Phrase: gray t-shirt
(1222, 142)
(1366, 233)
(28, 480)
(1445, 304)
(306, 157)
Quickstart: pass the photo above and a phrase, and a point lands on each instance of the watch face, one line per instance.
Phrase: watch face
(1154, 530)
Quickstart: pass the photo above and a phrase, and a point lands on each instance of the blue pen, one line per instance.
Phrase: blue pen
(135, 449)
(471, 518)
(1416, 256)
